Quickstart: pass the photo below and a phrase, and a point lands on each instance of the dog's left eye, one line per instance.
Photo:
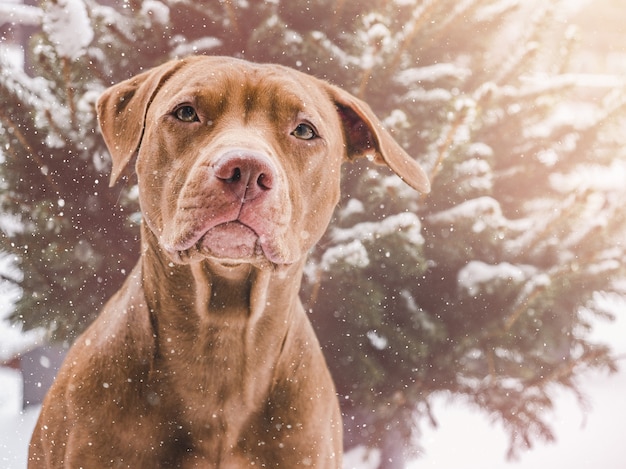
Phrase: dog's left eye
(186, 114)
(304, 132)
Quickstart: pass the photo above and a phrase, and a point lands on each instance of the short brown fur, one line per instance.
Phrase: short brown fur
(205, 358)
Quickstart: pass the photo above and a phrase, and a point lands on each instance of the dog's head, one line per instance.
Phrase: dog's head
(237, 161)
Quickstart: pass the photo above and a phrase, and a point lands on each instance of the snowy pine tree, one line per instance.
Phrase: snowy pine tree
(484, 289)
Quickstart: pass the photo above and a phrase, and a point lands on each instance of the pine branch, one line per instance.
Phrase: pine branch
(29, 151)
(527, 50)
(453, 19)
(69, 89)
(231, 12)
(420, 17)
(16, 131)
(316, 286)
(52, 123)
(566, 210)
(445, 144)
(521, 309)
(366, 75)
(23, 140)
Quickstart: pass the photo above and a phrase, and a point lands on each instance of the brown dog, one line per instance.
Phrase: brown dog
(205, 358)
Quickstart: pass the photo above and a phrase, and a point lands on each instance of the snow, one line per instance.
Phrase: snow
(12, 56)
(406, 223)
(476, 274)
(361, 458)
(335, 53)
(12, 12)
(352, 253)
(15, 341)
(193, 47)
(156, 11)
(68, 27)
(579, 80)
(378, 341)
(420, 95)
(14, 443)
(397, 119)
(350, 249)
(591, 177)
(293, 37)
(38, 92)
(485, 210)
(378, 31)
(607, 267)
(432, 73)
(12, 339)
(479, 150)
(467, 440)
(492, 10)
(472, 174)
(352, 207)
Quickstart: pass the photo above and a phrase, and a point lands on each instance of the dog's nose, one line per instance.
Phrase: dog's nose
(247, 173)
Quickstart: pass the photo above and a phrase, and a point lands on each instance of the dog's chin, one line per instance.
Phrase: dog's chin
(230, 241)
(230, 244)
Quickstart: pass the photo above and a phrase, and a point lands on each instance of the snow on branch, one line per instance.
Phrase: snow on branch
(185, 47)
(478, 275)
(68, 27)
(432, 73)
(482, 209)
(407, 223)
(350, 247)
(24, 15)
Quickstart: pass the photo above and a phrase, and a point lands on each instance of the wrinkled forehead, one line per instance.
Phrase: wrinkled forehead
(224, 84)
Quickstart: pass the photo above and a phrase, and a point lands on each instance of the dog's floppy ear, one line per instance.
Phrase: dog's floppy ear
(365, 135)
(122, 111)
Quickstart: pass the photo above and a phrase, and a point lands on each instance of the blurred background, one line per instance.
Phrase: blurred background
(480, 325)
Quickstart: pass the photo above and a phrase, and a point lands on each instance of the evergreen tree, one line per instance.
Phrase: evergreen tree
(484, 289)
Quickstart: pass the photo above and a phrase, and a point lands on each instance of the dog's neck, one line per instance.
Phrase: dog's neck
(213, 290)
(213, 319)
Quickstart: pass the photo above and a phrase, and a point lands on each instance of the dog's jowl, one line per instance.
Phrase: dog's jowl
(205, 357)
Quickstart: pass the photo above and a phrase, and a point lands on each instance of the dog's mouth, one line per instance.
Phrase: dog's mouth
(230, 242)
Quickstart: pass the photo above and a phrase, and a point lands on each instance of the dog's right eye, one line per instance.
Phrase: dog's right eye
(186, 114)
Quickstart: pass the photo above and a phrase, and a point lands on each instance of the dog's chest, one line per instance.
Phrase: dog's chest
(206, 377)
